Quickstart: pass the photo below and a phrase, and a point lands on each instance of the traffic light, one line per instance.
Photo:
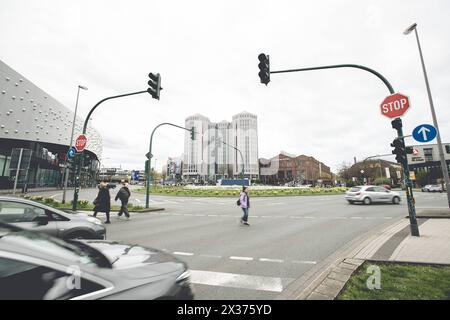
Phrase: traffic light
(399, 151)
(155, 85)
(397, 124)
(447, 148)
(409, 150)
(193, 133)
(264, 68)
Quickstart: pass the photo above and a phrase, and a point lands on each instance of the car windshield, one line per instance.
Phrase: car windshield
(355, 189)
(37, 242)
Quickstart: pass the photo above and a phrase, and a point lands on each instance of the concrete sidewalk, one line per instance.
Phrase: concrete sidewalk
(394, 243)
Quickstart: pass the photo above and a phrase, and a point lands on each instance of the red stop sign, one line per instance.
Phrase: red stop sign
(80, 143)
(395, 105)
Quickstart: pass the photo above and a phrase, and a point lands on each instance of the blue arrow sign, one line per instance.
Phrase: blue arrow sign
(424, 133)
(71, 153)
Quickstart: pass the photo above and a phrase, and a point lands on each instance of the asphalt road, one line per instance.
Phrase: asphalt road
(287, 236)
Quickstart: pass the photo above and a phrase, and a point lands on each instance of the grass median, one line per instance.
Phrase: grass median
(82, 205)
(400, 281)
(254, 192)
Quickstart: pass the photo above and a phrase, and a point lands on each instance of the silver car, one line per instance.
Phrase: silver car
(35, 216)
(432, 188)
(371, 194)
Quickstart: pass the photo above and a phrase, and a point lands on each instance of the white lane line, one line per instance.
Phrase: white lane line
(233, 280)
(341, 217)
(213, 215)
(296, 217)
(271, 260)
(55, 195)
(387, 217)
(188, 214)
(241, 258)
(179, 253)
(355, 217)
(210, 256)
(138, 200)
(275, 203)
(309, 217)
(200, 215)
(304, 262)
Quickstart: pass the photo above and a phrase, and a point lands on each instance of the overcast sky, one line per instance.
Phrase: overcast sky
(206, 52)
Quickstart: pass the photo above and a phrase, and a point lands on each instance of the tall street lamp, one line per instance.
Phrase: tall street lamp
(66, 171)
(433, 113)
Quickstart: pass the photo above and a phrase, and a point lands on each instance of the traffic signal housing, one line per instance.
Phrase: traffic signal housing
(264, 68)
(447, 148)
(399, 151)
(192, 133)
(154, 85)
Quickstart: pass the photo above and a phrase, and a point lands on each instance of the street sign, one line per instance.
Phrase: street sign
(148, 155)
(424, 133)
(395, 105)
(71, 153)
(412, 175)
(135, 175)
(416, 152)
(80, 143)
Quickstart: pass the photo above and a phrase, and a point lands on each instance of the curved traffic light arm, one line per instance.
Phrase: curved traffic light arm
(379, 75)
(147, 197)
(242, 158)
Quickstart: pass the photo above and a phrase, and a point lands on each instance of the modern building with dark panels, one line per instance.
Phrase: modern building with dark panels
(425, 161)
(30, 119)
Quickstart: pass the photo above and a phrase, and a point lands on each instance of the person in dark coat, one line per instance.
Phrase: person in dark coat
(124, 195)
(103, 201)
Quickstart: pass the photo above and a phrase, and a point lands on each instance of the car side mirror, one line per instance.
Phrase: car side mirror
(41, 220)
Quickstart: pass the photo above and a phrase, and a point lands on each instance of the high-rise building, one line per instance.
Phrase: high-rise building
(213, 155)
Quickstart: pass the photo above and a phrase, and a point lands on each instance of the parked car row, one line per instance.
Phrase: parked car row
(42, 249)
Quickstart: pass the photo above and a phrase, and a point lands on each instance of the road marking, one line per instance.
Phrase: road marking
(304, 262)
(241, 258)
(233, 280)
(309, 217)
(138, 200)
(213, 215)
(210, 256)
(355, 217)
(199, 215)
(55, 195)
(271, 260)
(275, 203)
(183, 253)
(188, 214)
(387, 217)
(296, 217)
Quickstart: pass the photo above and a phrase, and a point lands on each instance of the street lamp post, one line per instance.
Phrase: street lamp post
(433, 113)
(66, 171)
(242, 158)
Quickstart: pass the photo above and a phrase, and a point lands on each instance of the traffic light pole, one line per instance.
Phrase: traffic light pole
(408, 183)
(147, 196)
(77, 161)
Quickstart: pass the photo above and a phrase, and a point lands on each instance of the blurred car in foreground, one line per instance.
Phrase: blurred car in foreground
(432, 188)
(35, 216)
(35, 266)
(370, 194)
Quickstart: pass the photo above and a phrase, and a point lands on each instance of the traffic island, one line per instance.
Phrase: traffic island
(398, 281)
(434, 213)
(390, 265)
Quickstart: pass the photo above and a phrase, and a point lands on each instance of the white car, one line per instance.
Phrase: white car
(432, 188)
(371, 194)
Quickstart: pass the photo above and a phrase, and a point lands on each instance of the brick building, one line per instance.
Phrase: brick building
(286, 167)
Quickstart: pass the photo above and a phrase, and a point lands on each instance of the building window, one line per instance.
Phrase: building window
(428, 154)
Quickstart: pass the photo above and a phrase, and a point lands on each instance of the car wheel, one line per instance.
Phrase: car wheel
(396, 200)
(367, 201)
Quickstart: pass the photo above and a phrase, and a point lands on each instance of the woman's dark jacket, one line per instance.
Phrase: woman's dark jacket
(103, 200)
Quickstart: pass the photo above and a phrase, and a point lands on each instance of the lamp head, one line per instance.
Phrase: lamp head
(410, 29)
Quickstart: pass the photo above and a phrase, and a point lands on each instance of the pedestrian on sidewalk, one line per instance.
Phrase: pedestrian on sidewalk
(244, 202)
(124, 195)
(103, 200)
